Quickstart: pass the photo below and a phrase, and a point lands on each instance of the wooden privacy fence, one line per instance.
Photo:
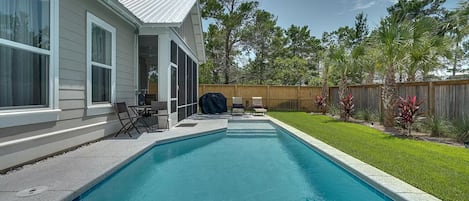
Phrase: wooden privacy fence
(449, 99)
(281, 98)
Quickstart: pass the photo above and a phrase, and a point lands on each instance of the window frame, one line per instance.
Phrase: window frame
(31, 115)
(99, 108)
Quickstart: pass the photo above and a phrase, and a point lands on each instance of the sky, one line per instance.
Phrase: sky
(328, 15)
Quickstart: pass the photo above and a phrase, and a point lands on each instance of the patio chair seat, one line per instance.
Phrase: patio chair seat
(237, 107)
(257, 106)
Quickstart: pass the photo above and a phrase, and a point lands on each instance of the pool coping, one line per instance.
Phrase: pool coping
(391, 186)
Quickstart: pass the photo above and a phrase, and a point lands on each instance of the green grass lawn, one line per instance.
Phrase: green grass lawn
(438, 169)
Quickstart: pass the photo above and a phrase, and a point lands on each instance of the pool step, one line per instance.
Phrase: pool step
(251, 132)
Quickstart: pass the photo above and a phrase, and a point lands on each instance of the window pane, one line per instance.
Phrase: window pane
(101, 84)
(101, 47)
(26, 22)
(24, 78)
(148, 65)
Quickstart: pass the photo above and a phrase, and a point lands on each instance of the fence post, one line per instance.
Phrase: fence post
(431, 99)
(236, 90)
(298, 98)
(268, 96)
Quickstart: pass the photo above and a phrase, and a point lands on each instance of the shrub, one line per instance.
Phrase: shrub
(321, 103)
(461, 129)
(334, 110)
(347, 106)
(367, 115)
(437, 126)
(408, 109)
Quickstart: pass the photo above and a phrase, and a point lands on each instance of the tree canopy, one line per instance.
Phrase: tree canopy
(245, 45)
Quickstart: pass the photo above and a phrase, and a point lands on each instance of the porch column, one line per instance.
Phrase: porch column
(164, 74)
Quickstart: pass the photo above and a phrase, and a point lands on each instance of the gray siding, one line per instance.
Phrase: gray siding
(186, 31)
(72, 83)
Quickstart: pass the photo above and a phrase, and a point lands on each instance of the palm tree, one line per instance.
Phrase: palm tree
(458, 29)
(392, 38)
(340, 66)
(425, 48)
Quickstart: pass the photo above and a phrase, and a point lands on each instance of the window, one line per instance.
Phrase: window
(24, 54)
(101, 54)
(28, 62)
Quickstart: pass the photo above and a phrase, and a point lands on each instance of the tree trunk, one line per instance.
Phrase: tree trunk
(455, 62)
(342, 91)
(325, 88)
(227, 62)
(388, 96)
(411, 77)
(370, 77)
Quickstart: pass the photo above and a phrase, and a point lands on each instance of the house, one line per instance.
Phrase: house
(64, 63)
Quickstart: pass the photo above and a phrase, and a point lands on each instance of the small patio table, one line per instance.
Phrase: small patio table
(142, 111)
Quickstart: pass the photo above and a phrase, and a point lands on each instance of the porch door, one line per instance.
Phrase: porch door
(148, 68)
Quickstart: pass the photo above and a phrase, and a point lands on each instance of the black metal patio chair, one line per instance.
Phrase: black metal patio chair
(127, 121)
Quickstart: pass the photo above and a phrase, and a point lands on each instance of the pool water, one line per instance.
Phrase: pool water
(233, 165)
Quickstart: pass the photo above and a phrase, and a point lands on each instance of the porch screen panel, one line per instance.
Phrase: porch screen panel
(181, 77)
(173, 82)
(174, 53)
(189, 80)
(181, 113)
(173, 106)
(194, 84)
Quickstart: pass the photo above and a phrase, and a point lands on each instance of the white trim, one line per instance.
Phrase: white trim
(159, 25)
(18, 118)
(101, 65)
(25, 116)
(136, 68)
(98, 108)
(36, 137)
(55, 52)
(22, 46)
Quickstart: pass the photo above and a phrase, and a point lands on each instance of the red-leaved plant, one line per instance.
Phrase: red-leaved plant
(408, 109)
(321, 103)
(347, 106)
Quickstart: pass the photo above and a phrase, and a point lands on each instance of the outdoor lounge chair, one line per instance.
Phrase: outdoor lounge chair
(160, 110)
(237, 107)
(127, 121)
(257, 106)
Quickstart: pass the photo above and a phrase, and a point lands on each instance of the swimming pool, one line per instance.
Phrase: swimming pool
(248, 161)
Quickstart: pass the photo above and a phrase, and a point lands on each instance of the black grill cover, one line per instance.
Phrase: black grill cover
(213, 103)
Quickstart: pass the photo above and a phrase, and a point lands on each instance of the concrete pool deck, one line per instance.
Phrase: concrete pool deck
(66, 176)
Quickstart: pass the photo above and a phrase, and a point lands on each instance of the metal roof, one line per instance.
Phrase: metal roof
(160, 11)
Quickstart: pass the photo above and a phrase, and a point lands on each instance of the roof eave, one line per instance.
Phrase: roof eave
(122, 11)
(166, 24)
(199, 37)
